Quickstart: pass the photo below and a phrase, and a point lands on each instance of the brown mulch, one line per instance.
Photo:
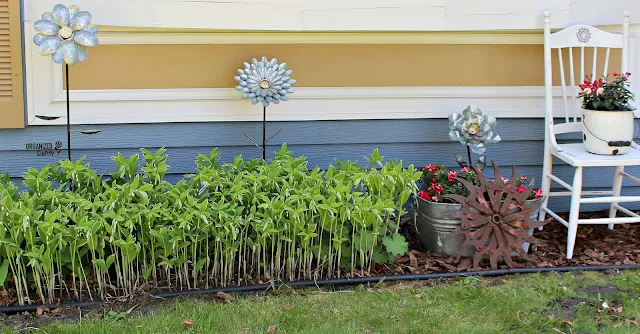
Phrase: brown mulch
(596, 245)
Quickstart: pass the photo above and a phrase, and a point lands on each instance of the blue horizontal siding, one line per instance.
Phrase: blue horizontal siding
(415, 141)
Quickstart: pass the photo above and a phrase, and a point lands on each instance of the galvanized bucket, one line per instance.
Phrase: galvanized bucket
(434, 228)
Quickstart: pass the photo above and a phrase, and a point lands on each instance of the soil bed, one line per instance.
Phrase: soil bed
(596, 245)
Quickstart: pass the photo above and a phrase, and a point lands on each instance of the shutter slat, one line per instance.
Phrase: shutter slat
(6, 70)
(6, 86)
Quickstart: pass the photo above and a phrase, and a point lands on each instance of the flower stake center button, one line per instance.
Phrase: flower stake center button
(65, 32)
(474, 128)
(265, 84)
(496, 219)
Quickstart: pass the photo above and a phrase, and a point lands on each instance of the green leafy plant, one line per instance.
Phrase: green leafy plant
(226, 224)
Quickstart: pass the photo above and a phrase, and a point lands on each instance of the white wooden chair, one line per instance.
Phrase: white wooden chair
(574, 40)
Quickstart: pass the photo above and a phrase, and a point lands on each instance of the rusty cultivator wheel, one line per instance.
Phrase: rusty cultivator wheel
(495, 218)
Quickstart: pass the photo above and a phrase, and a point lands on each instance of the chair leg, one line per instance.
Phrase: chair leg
(574, 211)
(546, 184)
(617, 187)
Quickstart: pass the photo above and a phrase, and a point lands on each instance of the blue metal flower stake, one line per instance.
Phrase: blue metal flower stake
(66, 34)
(267, 82)
(473, 129)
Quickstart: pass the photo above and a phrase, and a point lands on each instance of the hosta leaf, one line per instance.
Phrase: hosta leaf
(395, 245)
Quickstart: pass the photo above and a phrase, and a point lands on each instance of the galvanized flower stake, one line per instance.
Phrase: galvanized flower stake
(265, 82)
(66, 34)
(473, 129)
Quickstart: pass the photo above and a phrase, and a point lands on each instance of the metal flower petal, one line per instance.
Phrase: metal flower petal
(49, 45)
(85, 38)
(473, 129)
(57, 57)
(73, 10)
(70, 53)
(65, 34)
(80, 20)
(265, 81)
(83, 52)
(92, 28)
(38, 39)
(46, 27)
(48, 16)
(61, 15)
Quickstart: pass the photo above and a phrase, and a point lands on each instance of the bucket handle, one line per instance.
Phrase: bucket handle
(619, 143)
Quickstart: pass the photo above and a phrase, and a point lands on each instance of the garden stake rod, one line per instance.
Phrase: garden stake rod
(66, 69)
(264, 133)
(68, 113)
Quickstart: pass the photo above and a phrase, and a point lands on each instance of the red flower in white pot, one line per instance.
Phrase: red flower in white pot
(607, 115)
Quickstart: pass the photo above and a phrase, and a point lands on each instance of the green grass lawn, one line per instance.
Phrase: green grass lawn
(549, 303)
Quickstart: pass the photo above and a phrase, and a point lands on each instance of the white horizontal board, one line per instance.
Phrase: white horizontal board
(346, 15)
(606, 13)
(260, 15)
(374, 19)
(204, 105)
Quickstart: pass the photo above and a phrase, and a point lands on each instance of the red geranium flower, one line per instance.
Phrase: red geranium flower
(437, 188)
(423, 194)
(521, 189)
(537, 194)
(431, 168)
(451, 176)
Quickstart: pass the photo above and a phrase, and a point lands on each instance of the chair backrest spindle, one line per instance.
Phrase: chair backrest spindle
(572, 91)
(606, 62)
(581, 63)
(595, 64)
(563, 84)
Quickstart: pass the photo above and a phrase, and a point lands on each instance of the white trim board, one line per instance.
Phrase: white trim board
(308, 103)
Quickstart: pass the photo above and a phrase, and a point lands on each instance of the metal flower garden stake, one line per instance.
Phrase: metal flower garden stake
(266, 82)
(66, 34)
(473, 129)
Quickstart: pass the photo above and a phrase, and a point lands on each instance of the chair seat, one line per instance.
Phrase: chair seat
(576, 155)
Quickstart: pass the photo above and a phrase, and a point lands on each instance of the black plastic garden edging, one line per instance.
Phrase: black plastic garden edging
(337, 282)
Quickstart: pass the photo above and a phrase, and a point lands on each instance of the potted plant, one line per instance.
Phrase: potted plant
(434, 223)
(433, 220)
(607, 116)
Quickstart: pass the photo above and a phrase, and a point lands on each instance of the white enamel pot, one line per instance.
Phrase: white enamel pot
(607, 132)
